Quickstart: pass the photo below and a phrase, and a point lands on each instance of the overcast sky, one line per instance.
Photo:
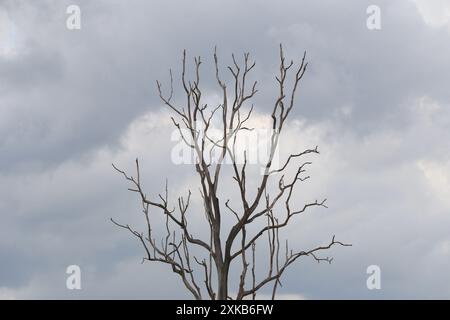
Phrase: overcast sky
(377, 102)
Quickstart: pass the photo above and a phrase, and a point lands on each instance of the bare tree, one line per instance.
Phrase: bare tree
(239, 243)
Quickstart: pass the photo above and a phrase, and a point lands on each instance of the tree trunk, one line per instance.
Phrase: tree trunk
(222, 292)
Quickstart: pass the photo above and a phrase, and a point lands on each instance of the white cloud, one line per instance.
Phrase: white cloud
(282, 296)
(7, 294)
(435, 13)
(437, 175)
(8, 36)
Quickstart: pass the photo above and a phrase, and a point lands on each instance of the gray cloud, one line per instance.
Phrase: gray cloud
(72, 102)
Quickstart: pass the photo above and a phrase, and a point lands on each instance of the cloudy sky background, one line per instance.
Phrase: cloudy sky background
(71, 102)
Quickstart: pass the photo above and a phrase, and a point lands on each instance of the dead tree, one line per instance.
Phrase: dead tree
(239, 243)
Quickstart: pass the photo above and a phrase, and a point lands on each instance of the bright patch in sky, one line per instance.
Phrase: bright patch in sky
(8, 38)
(438, 178)
(435, 13)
